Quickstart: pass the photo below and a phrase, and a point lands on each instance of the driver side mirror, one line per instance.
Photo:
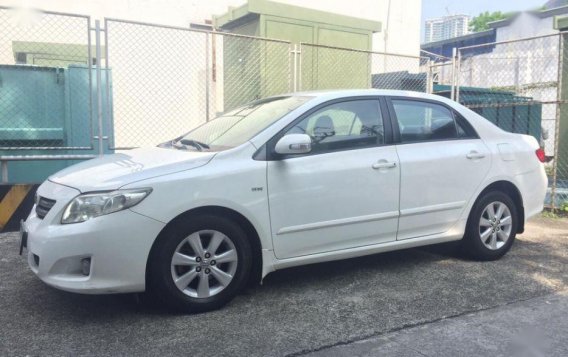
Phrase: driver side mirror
(294, 144)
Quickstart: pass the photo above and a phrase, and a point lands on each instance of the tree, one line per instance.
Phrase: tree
(479, 22)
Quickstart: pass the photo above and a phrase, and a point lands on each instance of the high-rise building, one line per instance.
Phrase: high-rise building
(445, 27)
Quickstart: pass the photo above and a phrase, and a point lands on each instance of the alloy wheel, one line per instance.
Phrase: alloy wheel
(495, 225)
(204, 263)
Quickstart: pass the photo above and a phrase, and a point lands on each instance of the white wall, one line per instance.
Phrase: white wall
(530, 67)
(526, 25)
(169, 12)
(538, 60)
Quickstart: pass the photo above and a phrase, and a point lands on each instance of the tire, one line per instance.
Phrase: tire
(195, 271)
(479, 243)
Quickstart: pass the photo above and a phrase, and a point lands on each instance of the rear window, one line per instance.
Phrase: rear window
(423, 121)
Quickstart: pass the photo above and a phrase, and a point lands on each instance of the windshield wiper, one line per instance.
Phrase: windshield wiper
(196, 144)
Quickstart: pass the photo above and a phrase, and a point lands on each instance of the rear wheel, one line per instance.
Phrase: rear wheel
(491, 227)
(200, 265)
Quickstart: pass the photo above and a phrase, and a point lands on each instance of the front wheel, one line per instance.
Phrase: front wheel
(201, 264)
(491, 227)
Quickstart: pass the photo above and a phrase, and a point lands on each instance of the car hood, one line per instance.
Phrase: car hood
(110, 172)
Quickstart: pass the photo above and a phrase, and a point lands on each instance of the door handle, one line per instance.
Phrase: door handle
(384, 165)
(474, 155)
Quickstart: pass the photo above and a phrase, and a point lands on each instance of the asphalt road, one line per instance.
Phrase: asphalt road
(295, 311)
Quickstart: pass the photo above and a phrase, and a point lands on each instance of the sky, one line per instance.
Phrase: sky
(437, 8)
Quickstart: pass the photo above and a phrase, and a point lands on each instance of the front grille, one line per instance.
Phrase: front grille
(43, 206)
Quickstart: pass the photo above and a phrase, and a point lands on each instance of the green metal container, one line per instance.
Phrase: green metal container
(45, 108)
(508, 111)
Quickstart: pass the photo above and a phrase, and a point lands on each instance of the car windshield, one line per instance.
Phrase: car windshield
(239, 125)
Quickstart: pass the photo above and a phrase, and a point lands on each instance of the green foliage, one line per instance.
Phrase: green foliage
(479, 22)
(549, 214)
(559, 212)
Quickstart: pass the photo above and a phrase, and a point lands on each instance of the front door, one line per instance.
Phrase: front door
(344, 193)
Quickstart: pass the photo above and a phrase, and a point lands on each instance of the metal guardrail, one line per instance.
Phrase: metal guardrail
(5, 159)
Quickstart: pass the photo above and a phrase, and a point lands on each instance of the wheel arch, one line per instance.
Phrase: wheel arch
(221, 211)
(512, 191)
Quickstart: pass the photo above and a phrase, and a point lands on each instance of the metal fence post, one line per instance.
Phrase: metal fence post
(429, 77)
(90, 86)
(299, 77)
(370, 69)
(4, 165)
(99, 85)
(557, 122)
(453, 74)
(458, 75)
(295, 68)
(206, 76)
(290, 65)
(109, 111)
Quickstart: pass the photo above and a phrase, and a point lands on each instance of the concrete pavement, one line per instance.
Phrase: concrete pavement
(531, 328)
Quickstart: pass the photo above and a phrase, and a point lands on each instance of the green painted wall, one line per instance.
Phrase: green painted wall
(342, 68)
(324, 68)
(241, 64)
(320, 67)
(285, 29)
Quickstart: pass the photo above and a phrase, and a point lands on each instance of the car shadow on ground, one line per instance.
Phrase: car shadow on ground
(326, 274)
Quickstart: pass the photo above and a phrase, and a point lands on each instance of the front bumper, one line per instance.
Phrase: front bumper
(117, 244)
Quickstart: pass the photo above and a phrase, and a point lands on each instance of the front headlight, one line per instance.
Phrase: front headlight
(90, 205)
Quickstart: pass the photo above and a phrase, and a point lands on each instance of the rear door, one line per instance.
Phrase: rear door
(442, 160)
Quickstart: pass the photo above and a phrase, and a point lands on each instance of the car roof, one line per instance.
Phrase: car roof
(340, 93)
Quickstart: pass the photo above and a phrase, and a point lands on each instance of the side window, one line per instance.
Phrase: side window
(343, 126)
(421, 121)
(465, 130)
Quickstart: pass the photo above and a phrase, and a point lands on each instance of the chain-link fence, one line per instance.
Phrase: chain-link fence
(439, 69)
(326, 67)
(46, 57)
(167, 80)
(71, 87)
(517, 86)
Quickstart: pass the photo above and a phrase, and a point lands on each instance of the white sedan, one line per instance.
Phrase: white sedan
(280, 182)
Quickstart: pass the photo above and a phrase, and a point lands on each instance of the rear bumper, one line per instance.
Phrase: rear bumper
(533, 186)
(117, 245)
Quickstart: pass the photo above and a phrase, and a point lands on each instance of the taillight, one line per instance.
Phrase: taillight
(540, 154)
